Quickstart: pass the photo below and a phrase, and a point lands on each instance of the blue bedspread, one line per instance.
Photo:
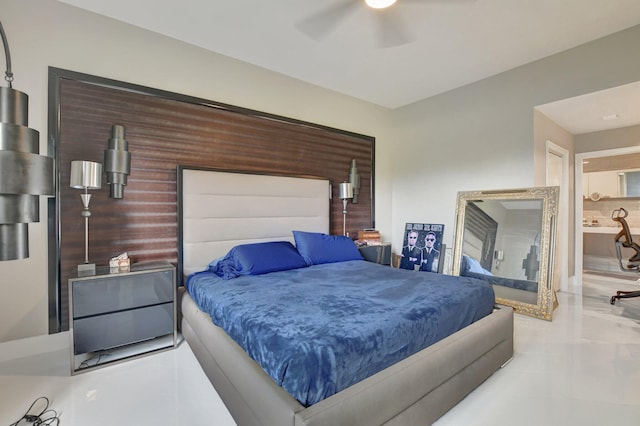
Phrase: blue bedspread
(320, 329)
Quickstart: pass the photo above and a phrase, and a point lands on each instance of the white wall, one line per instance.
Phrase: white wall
(481, 136)
(45, 33)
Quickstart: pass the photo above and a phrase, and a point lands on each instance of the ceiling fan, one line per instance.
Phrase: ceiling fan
(391, 28)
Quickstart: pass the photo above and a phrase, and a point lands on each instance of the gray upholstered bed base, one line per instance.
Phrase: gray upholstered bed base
(417, 390)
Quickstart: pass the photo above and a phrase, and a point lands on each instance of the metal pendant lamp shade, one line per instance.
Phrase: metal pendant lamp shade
(24, 175)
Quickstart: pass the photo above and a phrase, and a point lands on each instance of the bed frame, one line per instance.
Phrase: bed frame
(218, 210)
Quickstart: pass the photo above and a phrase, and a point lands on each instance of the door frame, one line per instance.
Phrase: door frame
(562, 242)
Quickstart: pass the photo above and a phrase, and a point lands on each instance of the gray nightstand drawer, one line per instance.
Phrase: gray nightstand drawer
(122, 328)
(378, 254)
(118, 292)
(115, 316)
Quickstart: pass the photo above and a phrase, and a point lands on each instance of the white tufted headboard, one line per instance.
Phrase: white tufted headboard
(220, 209)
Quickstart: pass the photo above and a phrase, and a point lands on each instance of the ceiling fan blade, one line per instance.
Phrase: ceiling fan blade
(392, 30)
(438, 1)
(318, 25)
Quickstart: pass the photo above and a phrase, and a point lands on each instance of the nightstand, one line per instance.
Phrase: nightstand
(377, 253)
(115, 316)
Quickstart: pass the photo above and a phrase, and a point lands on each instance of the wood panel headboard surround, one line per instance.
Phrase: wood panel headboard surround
(165, 130)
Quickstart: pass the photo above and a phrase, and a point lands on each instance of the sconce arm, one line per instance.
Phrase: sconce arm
(8, 75)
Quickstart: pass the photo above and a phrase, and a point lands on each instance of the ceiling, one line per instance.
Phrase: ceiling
(602, 110)
(445, 44)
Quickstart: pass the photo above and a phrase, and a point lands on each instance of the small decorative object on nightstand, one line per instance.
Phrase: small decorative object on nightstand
(380, 253)
(115, 316)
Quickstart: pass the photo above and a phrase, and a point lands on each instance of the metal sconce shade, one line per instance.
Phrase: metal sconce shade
(117, 162)
(24, 175)
(85, 175)
(354, 180)
(530, 263)
(345, 190)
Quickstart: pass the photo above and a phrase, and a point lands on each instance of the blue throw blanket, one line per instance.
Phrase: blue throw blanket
(320, 329)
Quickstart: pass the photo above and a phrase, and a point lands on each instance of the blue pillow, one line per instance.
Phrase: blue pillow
(258, 258)
(317, 248)
(214, 262)
(470, 264)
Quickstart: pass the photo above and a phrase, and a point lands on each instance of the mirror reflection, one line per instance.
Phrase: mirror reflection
(611, 184)
(505, 238)
(611, 177)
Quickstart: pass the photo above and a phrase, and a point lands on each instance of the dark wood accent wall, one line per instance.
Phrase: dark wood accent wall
(166, 130)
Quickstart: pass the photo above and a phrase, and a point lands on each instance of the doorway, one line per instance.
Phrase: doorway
(579, 207)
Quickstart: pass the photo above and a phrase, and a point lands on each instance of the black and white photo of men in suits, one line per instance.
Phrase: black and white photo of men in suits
(411, 253)
(430, 256)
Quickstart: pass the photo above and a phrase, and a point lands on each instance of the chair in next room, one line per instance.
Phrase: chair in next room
(624, 239)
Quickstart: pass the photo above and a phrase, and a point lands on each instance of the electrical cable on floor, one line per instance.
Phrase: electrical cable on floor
(46, 417)
(97, 359)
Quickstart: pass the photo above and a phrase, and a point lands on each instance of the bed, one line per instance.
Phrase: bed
(222, 210)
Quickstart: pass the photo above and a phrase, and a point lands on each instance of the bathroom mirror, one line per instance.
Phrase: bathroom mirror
(616, 176)
(507, 238)
(611, 184)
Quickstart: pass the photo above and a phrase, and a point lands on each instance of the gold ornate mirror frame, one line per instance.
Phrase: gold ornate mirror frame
(528, 207)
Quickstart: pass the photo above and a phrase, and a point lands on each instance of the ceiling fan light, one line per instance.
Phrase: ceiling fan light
(379, 4)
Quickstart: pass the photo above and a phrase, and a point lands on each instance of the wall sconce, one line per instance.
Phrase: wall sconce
(24, 174)
(117, 162)
(86, 175)
(499, 257)
(354, 180)
(345, 192)
(530, 263)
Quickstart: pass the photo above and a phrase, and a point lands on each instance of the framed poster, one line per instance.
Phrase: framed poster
(421, 247)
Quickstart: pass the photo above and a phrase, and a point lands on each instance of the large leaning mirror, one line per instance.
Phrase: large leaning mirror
(507, 238)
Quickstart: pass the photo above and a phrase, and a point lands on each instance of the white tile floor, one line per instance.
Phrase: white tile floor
(166, 388)
(581, 369)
